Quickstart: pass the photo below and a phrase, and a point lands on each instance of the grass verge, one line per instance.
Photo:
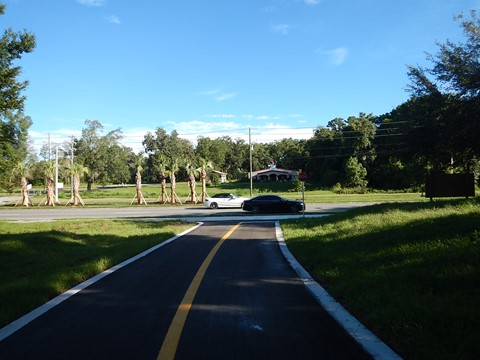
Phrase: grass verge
(410, 272)
(122, 196)
(41, 260)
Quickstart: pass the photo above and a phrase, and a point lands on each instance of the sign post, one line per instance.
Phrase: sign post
(302, 176)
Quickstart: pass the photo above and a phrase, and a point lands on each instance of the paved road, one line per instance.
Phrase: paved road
(193, 213)
(249, 304)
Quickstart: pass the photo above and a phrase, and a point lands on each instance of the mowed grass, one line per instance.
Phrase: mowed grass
(410, 272)
(41, 260)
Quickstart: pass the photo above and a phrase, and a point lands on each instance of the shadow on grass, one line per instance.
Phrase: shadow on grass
(410, 272)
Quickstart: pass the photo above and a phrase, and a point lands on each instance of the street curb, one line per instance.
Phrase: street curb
(32, 315)
(369, 341)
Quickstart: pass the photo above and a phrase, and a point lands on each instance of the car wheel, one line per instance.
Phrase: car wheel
(255, 209)
(214, 206)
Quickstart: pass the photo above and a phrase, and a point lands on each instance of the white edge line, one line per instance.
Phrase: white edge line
(369, 341)
(32, 315)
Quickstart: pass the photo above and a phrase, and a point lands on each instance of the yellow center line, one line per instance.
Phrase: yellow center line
(170, 344)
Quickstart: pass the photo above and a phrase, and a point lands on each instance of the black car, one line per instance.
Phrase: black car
(272, 203)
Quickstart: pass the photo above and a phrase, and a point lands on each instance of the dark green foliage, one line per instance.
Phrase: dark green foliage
(107, 161)
(13, 123)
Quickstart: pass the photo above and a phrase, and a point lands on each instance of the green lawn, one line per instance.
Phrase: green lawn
(410, 272)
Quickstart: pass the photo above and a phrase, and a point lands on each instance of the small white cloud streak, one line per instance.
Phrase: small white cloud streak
(336, 56)
(92, 2)
(311, 2)
(266, 117)
(224, 97)
(275, 132)
(282, 29)
(112, 19)
(209, 92)
(218, 94)
(219, 116)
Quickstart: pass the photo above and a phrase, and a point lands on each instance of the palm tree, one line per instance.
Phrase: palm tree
(191, 171)
(138, 180)
(205, 165)
(22, 170)
(173, 169)
(76, 171)
(162, 168)
(49, 172)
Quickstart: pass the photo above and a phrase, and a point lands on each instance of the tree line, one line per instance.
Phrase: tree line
(435, 130)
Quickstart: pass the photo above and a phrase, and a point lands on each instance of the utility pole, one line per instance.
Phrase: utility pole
(49, 148)
(56, 173)
(71, 164)
(250, 146)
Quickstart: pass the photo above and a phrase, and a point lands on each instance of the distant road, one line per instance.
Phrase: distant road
(189, 212)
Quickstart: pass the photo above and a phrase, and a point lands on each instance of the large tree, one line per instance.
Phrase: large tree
(289, 153)
(94, 150)
(171, 147)
(13, 123)
(327, 151)
(447, 96)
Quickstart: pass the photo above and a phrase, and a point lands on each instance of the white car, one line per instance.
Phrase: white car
(224, 201)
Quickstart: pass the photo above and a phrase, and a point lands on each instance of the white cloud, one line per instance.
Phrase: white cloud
(336, 56)
(113, 19)
(218, 94)
(92, 2)
(282, 29)
(226, 96)
(209, 92)
(261, 134)
(273, 132)
(266, 117)
(220, 116)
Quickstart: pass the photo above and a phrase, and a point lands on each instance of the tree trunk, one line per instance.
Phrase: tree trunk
(50, 192)
(192, 184)
(172, 189)
(164, 189)
(76, 190)
(25, 200)
(203, 175)
(138, 185)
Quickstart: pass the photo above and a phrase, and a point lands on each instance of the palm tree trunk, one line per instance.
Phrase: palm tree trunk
(192, 184)
(138, 185)
(25, 200)
(172, 189)
(76, 190)
(164, 189)
(50, 192)
(203, 175)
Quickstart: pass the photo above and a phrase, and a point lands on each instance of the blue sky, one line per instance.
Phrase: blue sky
(217, 67)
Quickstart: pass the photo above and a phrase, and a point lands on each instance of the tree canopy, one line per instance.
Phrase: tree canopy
(444, 111)
(14, 124)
